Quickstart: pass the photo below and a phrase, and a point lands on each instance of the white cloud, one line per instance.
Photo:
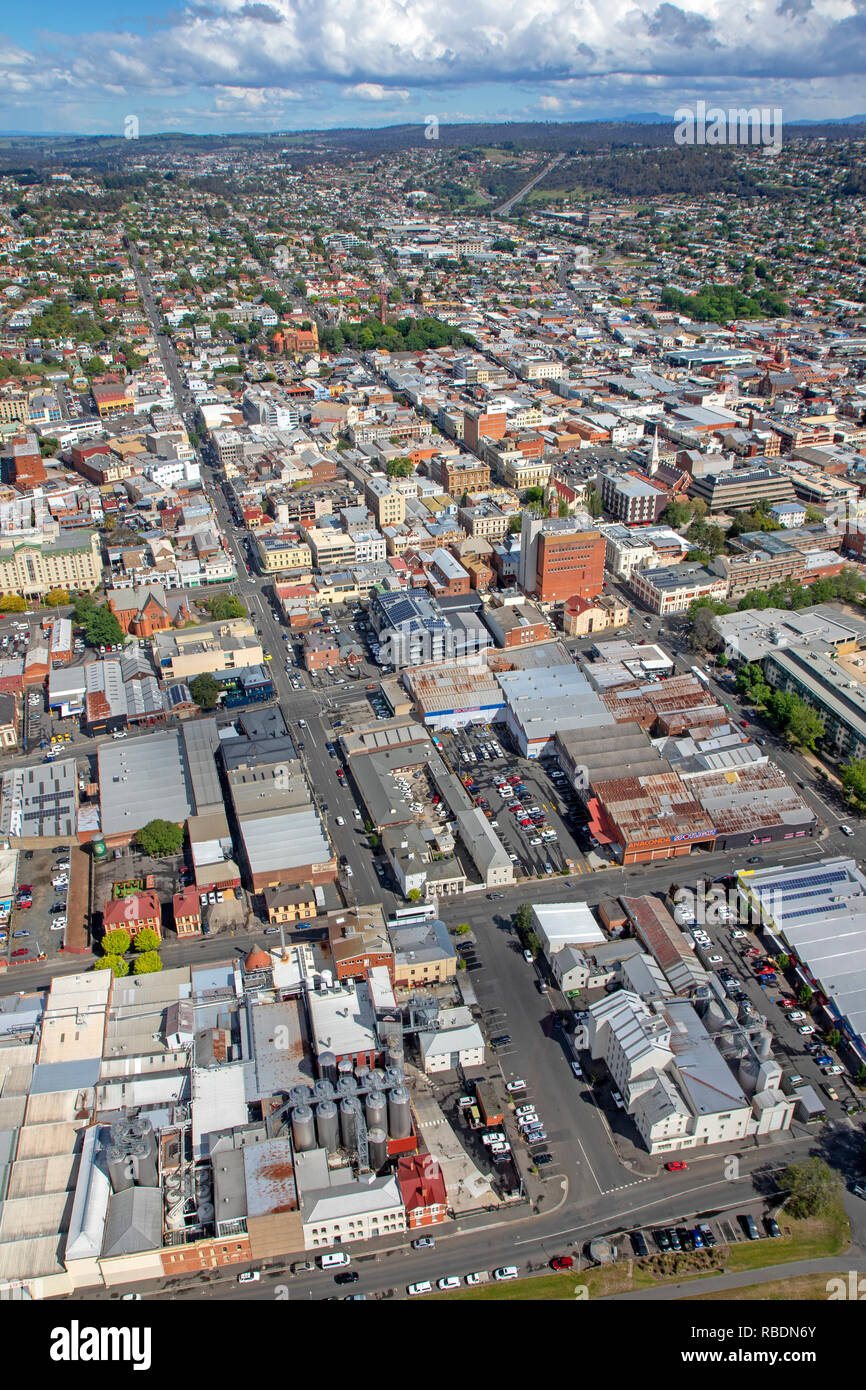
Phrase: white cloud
(374, 91)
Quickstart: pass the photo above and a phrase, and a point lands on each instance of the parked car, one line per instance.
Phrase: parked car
(562, 1262)
(639, 1245)
(423, 1243)
(250, 1276)
(751, 1229)
(772, 1226)
(676, 1165)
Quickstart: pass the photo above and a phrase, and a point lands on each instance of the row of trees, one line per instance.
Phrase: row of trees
(116, 944)
(799, 722)
(406, 335)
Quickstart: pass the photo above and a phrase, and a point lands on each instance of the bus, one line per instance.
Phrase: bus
(701, 676)
(411, 916)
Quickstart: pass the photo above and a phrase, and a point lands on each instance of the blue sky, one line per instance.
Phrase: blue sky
(230, 65)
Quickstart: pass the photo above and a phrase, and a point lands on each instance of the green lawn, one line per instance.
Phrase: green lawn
(802, 1240)
(802, 1288)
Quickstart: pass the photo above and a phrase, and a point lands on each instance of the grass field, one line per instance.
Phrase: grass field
(801, 1240)
(802, 1288)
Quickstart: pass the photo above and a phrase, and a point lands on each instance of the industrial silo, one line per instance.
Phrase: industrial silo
(376, 1110)
(362, 1076)
(328, 1067)
(393, 1077)
(303, 1129)
(328, 1126)
(349, 1123)
(378, 1145)
(345, 1068)
(399, 1114)
(347, 1085)
(377, 1078)
(300, 1095)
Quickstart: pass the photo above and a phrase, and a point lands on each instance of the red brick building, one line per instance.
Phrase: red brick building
(569, 563)
(133, 914)
(478, 424)
(422, 1188)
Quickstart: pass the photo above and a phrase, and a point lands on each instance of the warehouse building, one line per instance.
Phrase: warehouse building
(816, 913)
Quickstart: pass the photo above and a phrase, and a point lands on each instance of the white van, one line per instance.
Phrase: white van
(424, 1287)
(331, 1261)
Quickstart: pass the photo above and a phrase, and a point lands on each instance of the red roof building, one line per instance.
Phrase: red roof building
(422, 1188)
(133, 914)
(187, 912)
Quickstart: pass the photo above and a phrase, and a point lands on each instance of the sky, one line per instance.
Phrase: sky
(212, 66)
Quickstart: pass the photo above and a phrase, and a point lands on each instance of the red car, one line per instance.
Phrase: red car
(22, 952)
(25, 888)
(562, 1262)
(787, 1003)
(676, 1165)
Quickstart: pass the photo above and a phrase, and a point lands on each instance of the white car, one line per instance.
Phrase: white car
(58, 923)
(739, 934)
(479, 1277)
(517, 1085)
(357, 815)
(449, 1282)
(805, 1029)
(424, 1287)
(846, 830)
(349, 871)
(797, 1016)
(340, 820)
(118, 733)
(251, 1276)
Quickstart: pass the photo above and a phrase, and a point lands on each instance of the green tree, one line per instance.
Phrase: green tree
(804, 995)
(833, 1037)
(523, 918)
(593, 502)
(534, 495)
(805, 726)
(414, 895)
(853, 778)
(464, 929)
(515, 524)
(116, 964)
(814, 1188)
(783, 961)
(115, 943)
(56, 598)
(12, 603)
(206, 691)
(148, 963)
(160, 837)
(101, 628)
(563, 507)
(676, 514)
(146, 940)
(223, 606)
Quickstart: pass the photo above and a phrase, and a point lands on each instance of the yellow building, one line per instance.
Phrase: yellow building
(192, 651)
(580, 617)
(32, 566)
(13, 407)
(282, 551)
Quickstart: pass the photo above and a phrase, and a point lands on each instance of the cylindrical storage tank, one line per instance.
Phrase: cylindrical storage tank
(328, 1126)
(362, 1076)
(205, 1211)
(399, 1114)
(300, 1095)
(347, 1086)
(393, 1076)
(349, 1123)
(303, 1128)
(377, 1141)
(345, 1067)
(328, 1067)
(377, 1078)
(323, 1090)
(376, 1110)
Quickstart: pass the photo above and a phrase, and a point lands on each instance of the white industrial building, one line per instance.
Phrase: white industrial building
(457, 1042)
(337, 1208)
(687, 1080)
